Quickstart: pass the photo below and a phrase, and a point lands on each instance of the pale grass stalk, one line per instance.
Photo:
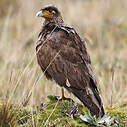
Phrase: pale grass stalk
(50, 114)
(37, 80)
(23, 117)
(112, 85)
(39, 77)
(25, 89)
(122, 90)
(9, 82)
(33, 122)
(17, 84)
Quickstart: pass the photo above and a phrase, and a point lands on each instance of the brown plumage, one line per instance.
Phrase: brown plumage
(63, 56)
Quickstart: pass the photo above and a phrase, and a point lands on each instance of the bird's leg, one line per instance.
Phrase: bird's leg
(62, 91)
(63, 97)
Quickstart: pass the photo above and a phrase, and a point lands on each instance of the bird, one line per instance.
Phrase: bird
(63, 57)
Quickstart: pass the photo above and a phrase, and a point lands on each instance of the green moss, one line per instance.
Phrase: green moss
(120, 114)
(52, 114)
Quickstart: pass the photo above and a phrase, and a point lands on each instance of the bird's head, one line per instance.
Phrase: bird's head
(49, 12)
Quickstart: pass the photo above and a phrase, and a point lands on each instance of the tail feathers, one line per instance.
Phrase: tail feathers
(87, 97)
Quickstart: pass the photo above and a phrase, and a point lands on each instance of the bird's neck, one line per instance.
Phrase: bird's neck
(55, 21)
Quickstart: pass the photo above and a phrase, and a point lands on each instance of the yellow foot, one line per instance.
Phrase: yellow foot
(64, 98)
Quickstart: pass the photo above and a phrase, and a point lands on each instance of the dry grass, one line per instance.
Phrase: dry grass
(103, 24)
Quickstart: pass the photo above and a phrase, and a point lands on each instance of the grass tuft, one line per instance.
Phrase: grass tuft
(7, 115)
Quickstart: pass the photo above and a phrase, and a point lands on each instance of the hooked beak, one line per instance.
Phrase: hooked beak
(39, 14)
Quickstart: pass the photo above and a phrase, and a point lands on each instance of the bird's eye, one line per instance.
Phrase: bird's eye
(53, 12)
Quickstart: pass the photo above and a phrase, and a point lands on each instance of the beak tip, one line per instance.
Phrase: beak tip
(39, 14)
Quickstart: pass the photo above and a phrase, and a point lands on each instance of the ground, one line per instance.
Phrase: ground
(56, 113)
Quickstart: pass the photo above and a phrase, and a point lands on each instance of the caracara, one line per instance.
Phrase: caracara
(63, 57)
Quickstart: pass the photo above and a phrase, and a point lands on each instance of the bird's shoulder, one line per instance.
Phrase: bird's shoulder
(73, 40)
(61, 32)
